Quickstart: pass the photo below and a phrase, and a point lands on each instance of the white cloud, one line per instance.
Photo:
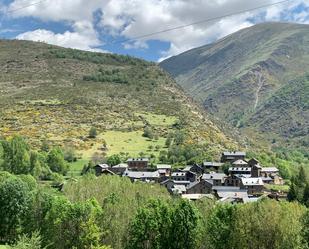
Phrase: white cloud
(57, 10)
(132, 18)
(84, 37)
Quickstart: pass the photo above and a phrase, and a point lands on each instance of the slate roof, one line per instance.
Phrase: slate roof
(228, 192)
(176, 182)
(181, 182)
(240, 162)
(212, 164)
(214, 176)
(138, 160)
(269, 169)
(178, 173)
(164, 166)
(179, 189)
(251, 199)
(121, 165)
(196, 196)
(226, 188)
(108, 171)
(141, 174)
(240, 169)
(253, 181)
(234, 153)
(192, 184)
(267, 179)
(243, 175)
(102, 165)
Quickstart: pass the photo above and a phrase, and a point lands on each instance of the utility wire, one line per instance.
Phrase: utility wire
(14, 10)
(198, 22)
(26, 6)
(169, 29)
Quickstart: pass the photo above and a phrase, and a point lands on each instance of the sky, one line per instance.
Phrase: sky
(112, 25)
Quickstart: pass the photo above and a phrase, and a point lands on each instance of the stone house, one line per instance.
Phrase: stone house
(252, 185)
(231, 156)
(138, 163)
(201, 187)
(211, 167)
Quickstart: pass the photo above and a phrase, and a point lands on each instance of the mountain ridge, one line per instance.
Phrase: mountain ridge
(236, 76)
(57, 94)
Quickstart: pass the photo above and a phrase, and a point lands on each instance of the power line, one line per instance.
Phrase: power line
(26, 6)
(169, 29)
(14, 10)
(198, 22)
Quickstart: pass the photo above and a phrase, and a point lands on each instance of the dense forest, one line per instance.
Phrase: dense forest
(112, 212)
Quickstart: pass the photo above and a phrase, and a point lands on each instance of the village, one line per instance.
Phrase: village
(234, 179)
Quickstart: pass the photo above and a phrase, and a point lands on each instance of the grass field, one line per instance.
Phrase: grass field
(76, 167)
(158, 120)
(283, 188)
(131, 142)
(117, 141)
(4, 247)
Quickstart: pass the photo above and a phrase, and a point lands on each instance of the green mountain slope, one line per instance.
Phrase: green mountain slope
(241, 77)
(56, 94)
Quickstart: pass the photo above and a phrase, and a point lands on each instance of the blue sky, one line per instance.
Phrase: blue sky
(103, 25)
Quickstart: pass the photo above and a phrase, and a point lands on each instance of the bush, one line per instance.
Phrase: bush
(113, 160)
(148, 132)
(93, 132)
(26, 242)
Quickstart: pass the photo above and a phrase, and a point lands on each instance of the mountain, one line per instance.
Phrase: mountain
(255, 79)
(57, 94)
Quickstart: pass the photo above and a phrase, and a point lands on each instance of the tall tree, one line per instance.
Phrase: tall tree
(150, 227)
(301, 179)
(36, 167)
(292, 194)
(268, 224)
(17, 156)
(56, 162)
(15, 200)
(72, 225)
(306, 195)
(114, 160)
(219, 227)
(184, 230)
(1, 155)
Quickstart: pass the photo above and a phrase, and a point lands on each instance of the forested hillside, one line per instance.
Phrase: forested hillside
(255, 79)
(111, 212)
(64, 109)
(55, 95)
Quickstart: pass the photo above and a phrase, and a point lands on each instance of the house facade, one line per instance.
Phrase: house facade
(201, 187)
(137, 163)
(211, 167)
(231, 156)
(253, 185)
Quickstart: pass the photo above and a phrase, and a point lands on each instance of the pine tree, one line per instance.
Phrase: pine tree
(93, 132)
(305, 198)
(292, 195)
